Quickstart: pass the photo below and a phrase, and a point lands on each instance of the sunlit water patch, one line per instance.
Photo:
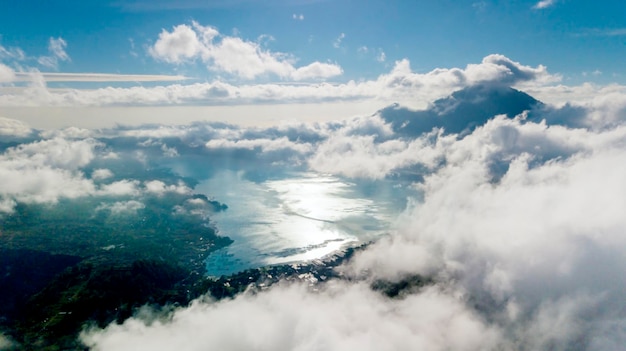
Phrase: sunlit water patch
(301, 217)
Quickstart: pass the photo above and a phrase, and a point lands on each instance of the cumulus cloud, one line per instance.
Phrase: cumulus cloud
(522, 247)
(121, 207)
(317, 70)
(45, 171)
(159, 188)
(179, 45)
(48, 170)
(341, 317)
(232, 55)
(125, 187)
(101, 173)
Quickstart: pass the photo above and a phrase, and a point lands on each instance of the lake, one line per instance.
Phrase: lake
(300, 217)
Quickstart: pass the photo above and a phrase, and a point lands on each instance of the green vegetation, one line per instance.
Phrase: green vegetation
(87, 261)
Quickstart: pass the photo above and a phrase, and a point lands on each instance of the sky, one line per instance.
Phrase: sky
(568, 36)
(518, 218)
(299, 46)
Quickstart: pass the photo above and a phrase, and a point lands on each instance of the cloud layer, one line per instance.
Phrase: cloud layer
(520, 224)
(400, 85)
(519, 220)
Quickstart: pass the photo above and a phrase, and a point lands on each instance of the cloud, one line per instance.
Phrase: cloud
(299, 17)
(381, 57)
(180, 44)
(543, 4)
(121, 207)
(10, 127)
(47, 170)
(12, 53)
(265, 144)
(125, 187)
(6, 74)
(56, 48)
(99, 77)
(338, 318)
(337, 42)
(401, 85)
(519, 222)
(231, 54)
(159, 188)
(101, 174)
(538, 247)
(317, 70)
(67, 133)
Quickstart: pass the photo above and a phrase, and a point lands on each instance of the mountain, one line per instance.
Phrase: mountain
(460, 112)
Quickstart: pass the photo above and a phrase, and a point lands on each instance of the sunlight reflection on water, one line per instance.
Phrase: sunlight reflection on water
(302, 217)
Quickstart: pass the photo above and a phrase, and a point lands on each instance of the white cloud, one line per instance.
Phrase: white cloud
(340, 317)
(67, 133)
(101, 174)
(57, 152)
(159, 188)
(544, 4)
(228, 54)
(121, 207)
(56, 48)
(6, 74)
(179, 45)
(337, 42)
(402, 85)
(11, 127)
(299, 17)
(317, 70)
(39, 184)
(12, 53)
(266, 145)
(537, 248)
(125, 187)
(99, 77)
(381, 57)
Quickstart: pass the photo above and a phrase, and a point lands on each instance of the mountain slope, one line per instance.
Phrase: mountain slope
(460, 112)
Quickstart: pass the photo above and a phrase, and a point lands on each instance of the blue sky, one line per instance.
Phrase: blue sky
(364, 55)
(569, 37)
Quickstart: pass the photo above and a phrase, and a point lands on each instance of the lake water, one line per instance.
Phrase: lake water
(301, 217)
